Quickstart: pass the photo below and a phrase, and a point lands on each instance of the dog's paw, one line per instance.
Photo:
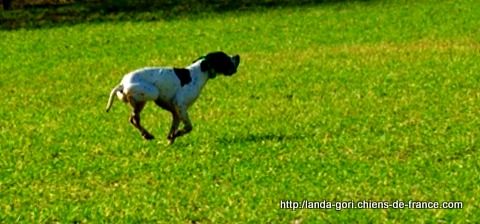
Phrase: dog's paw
(147, 136)
(170, 140)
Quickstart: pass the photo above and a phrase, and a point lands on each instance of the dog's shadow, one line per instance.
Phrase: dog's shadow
(260, 137)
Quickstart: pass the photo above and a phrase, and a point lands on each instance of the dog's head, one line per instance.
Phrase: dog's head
(219, 63)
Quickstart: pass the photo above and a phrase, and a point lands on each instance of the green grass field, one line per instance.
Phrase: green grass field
(351, 101)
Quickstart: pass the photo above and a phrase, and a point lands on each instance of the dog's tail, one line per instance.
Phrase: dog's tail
(112, 95)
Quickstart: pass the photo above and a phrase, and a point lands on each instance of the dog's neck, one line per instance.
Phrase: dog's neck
(197, 73)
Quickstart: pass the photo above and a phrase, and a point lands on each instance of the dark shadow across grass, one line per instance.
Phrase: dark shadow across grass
(52, 15)
(260, 137)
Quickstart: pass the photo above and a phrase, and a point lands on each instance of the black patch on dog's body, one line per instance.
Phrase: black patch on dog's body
(183, 75)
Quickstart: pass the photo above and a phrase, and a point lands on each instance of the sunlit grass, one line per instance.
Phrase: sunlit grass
(353, 101)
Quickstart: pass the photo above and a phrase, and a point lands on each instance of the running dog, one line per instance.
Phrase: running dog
(173, 89)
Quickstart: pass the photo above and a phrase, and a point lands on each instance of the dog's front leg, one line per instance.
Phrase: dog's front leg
(173, 129)
(186, 122)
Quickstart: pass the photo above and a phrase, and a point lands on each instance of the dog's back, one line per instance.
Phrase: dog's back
(164, 80)
(149, 83)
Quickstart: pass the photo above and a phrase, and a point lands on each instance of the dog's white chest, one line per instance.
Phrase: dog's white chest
(189, 93)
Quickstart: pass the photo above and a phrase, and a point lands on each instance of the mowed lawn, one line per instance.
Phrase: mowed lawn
(374, 101)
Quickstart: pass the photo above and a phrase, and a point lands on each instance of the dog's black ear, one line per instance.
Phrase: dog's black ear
(205, 66)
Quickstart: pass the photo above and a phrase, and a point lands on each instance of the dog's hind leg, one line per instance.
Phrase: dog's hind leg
(135, 118)
(137, 95)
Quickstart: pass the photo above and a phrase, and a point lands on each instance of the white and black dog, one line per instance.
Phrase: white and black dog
(173, 89)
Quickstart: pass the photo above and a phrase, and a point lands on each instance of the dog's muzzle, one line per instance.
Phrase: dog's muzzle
(235, 61)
